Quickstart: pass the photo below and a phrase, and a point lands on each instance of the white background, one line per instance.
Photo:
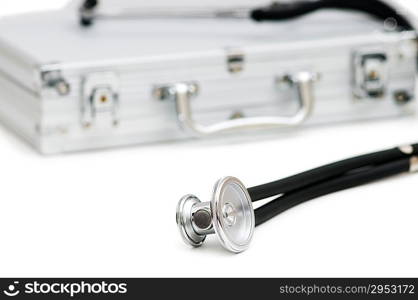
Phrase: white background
(111, 213)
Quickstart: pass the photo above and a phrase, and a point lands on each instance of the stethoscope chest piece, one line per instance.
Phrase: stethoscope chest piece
(229, 215)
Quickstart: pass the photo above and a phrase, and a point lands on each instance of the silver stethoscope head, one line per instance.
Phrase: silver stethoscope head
(229, 215)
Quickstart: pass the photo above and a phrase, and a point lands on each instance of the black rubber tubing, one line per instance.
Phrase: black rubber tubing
(376, 8)
(287, 201)
(326, 172)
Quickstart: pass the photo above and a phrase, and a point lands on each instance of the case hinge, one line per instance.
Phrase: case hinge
(235, 61)
(55, 80)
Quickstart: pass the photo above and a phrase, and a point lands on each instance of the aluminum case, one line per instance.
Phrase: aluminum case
(67, 88)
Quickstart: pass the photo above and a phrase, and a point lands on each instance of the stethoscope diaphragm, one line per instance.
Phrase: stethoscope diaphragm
(229, 215)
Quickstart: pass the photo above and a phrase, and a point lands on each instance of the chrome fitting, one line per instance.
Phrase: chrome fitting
(407, 149)
(229, 215)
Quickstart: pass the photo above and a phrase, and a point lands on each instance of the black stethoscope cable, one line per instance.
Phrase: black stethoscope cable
(326, 172)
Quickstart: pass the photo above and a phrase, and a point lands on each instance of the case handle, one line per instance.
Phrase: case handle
(183, 92)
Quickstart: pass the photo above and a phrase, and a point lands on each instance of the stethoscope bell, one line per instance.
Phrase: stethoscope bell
(229, 215)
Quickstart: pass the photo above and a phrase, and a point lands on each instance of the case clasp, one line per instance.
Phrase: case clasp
(370, 74)
(100, 101)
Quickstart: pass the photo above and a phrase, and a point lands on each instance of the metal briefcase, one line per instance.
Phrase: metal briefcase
(123, 82)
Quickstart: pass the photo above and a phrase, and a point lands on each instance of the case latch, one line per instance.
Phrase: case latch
(100, 101)
(370, 74)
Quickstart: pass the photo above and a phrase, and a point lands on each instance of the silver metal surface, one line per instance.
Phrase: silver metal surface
(414, 164)
(170, 51)
(166, 13)
(182, 93)
(231, 213)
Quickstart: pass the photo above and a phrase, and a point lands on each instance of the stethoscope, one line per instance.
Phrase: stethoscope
(230, 213)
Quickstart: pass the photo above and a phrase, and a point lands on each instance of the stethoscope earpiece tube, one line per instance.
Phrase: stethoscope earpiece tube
(287, 201)
(286, 11)
(230, 214)
(310, 177)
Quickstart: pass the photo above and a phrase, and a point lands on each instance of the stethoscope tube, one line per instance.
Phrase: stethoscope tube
(376, 8)
(317, 175)
(292, 199)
